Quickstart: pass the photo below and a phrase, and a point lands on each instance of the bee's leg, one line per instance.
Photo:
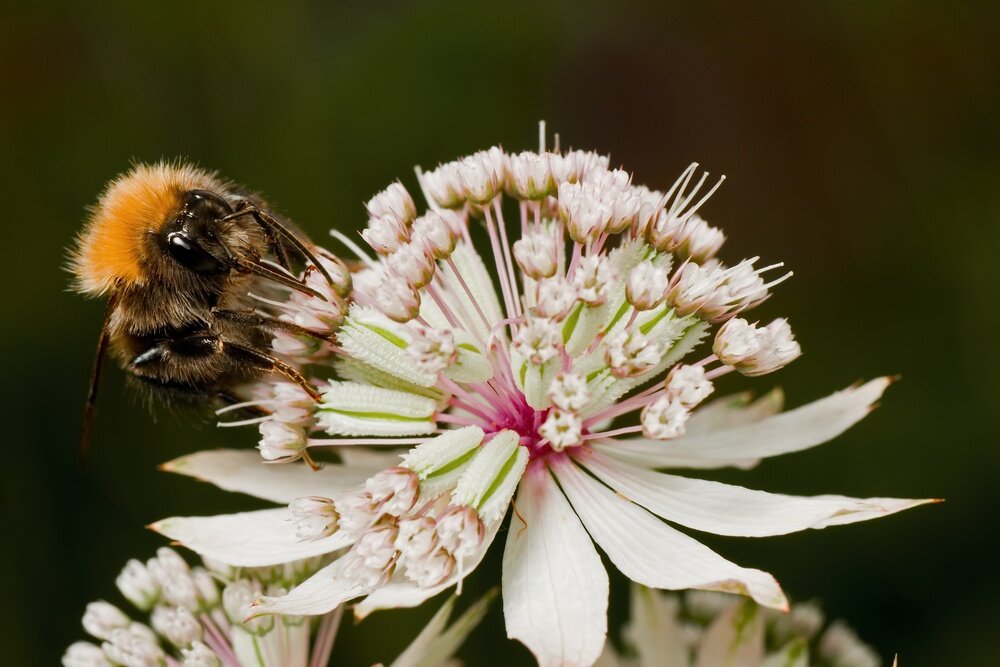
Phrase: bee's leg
(278, 243)
(203, 346)
(252, 319)
(266, 362)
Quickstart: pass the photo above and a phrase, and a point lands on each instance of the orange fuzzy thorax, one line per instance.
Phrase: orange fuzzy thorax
(110, 249)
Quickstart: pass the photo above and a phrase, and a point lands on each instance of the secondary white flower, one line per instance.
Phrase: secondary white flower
(550, 410)
(703, 629)
(217, 632)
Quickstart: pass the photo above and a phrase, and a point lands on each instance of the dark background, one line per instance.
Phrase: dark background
(862, 146)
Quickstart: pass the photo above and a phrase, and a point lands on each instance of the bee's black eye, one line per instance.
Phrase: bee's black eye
(190, 255)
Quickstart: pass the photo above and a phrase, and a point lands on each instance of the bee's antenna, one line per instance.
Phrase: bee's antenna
(95, 381)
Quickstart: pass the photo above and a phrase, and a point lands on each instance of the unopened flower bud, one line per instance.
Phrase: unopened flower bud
(664, 419)
(460, 531)
(393, 491)
(698, 240)
(417, 538)
(756, 351)
(176, 624)
(393, 202)
(200, 655)
(586, 215)
(101, 618)
(137, 585)
(432, 569)
(646, 287)
(84, 654)
(482, 174)
(208, 590)
(444, 185)
(537, 255)
(314, 517)
(529, 176)
(396, 299)
(280, 441)
(237, 598)
(413, 263)
(433, 232)
(135, 649)
(385, 234)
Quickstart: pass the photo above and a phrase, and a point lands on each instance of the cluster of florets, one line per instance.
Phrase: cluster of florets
(607, 287)
(425, 518)
(197, 616)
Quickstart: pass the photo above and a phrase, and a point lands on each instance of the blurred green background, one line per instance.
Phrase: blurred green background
(862, 144)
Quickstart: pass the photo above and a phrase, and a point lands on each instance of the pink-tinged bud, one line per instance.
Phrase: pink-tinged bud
(482, 175)
(664, 419)
(314, 517)
(688, 385)
(646, 287)
(561, 429)
(536, 254)
(338, 271)
(417, 538)
(444, 185)
(529, 176)
(376, 548)
(385, 234)
(585, 213)
(432, 569)
(434, 234)
(412, 263)
(396, 298)
(460, 531)
(281, 442)
(394, 202)
(393, 491)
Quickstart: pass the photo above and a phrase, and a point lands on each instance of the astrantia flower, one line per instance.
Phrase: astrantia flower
(197, 617)
(702, 629)
(566, 387)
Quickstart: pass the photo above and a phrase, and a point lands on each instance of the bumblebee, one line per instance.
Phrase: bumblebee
(177, 251)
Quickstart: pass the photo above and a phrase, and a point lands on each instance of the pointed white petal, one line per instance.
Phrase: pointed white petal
(244, 471)
(401, 592)
(735, 410)
(725, 509)
(652, 553)
(437, 643)
(787, 432)
(734, 639)
(319, 594)
(555, 589)
(247, 539)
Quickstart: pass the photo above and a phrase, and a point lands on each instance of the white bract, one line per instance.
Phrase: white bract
(566, 389)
